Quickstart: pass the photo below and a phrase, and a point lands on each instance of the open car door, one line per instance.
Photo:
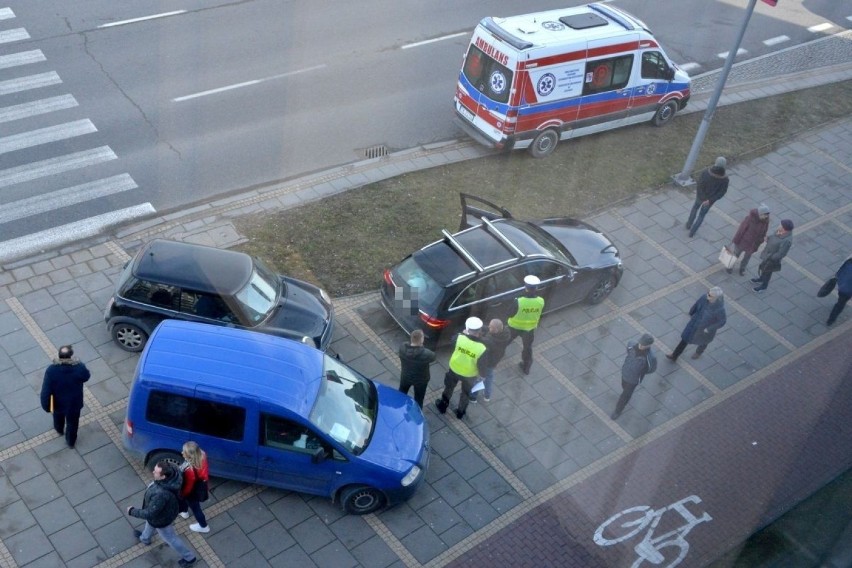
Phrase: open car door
(475, 208)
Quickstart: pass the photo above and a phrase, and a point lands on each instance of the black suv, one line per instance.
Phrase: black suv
(480, 270)
(168, 279)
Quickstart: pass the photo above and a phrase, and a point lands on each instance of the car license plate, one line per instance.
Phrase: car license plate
(466, 113)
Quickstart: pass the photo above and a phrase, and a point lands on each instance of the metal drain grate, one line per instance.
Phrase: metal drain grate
(376, 151)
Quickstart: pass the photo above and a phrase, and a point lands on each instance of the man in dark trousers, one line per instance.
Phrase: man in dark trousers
(414, 361)
(712, 186)
(639, 362)
(707, 316)
(465, 362)
(777, 246)
(525, 320)
(844, 290)
(496, 341)
(62, 393)
(160, 509)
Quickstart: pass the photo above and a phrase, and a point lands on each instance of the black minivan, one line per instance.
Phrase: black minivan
(175, 280)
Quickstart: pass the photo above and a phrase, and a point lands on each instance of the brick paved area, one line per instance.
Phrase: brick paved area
(750, 428)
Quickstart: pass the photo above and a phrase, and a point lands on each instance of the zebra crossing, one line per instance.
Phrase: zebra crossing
(57, 182)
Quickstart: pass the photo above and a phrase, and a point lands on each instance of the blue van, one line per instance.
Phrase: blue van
(276, 412)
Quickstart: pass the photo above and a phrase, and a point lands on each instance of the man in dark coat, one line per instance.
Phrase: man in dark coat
(777, 247)
(639, 362)
(750, 235)
(496, 341)
(844, 290)
(712, 186)
(62, 393)
(414, 361)
(708, 315)
(160, 509)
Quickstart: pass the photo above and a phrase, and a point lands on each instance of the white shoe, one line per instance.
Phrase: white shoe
(198, 528)
(185, 515)
(487, 399)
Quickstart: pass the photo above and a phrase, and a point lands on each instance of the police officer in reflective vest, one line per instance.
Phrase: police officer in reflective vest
(526, 319)
(464, 367)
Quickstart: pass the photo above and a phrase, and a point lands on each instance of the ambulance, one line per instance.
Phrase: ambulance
(530, 81)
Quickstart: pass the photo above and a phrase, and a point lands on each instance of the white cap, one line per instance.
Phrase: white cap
(473, 324)
(531, 280)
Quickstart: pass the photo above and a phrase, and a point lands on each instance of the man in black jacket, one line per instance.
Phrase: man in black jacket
(414, 360)
(160, 509)
(62, 393)
(712, 186)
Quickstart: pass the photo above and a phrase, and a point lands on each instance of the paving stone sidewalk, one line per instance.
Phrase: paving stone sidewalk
(541, 438)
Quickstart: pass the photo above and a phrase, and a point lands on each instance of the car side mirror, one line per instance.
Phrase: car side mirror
(569, 277)
(318, 456)
(670, 73)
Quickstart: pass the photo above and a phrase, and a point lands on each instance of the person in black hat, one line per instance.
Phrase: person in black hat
(712, 186)
(777, 247)
(639, 362)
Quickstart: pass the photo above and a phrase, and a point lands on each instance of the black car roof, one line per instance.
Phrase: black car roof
(479, 248)
(197, 267)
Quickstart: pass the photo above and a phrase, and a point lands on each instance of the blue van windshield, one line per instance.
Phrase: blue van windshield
(346, 406)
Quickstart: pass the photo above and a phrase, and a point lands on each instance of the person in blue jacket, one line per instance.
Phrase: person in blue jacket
(62, 393)
(707, 316)
(844, 290)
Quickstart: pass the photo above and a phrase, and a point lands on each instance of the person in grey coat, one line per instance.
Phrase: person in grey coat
(777, 247)
(708, 315)
(639, 362)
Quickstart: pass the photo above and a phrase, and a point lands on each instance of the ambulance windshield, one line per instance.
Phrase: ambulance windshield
(487, 75)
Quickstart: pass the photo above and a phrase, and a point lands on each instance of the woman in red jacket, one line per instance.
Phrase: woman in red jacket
(194, 470)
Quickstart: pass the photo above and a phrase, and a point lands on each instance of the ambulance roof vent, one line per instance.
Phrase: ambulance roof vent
(583, 21)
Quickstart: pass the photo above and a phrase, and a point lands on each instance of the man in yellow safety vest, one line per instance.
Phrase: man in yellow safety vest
(464, 366)
(526, 318)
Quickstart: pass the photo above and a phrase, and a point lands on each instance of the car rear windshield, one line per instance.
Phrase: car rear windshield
(346, 406)
(422, 286)
(260, 294)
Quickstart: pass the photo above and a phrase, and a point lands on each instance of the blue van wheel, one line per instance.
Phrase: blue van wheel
(361, 500)
(173, 458)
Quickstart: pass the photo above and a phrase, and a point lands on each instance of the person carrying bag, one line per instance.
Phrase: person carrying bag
(194, 490)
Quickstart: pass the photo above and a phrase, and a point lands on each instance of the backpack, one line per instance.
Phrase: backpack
(652, 362)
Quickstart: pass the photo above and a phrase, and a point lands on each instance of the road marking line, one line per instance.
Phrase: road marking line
(821, 27)
(58, 165)
(17, 34)
(688, 67)
(6, 14)
(428, 41)
(246, 84)
(776, 40)
(58, 199)
(35, 108)
(29, 82)
(22, 58)
(142, 19)
(46, 135)
(724, 54)
(58, 236)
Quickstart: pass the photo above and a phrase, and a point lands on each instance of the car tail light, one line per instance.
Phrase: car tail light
(128, 427)
(433, 323)
(388, 277)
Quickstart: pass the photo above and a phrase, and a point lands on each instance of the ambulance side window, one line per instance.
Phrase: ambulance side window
(654, 65)
(607, 74)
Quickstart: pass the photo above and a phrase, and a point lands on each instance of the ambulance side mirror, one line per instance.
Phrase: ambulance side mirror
(670, 73)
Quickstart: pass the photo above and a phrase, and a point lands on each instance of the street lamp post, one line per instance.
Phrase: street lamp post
(684, 178)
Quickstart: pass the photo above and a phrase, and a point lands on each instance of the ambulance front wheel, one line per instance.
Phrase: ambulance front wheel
(544, 144)
(665, 113)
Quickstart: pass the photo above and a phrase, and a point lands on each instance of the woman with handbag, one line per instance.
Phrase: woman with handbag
(194, 489)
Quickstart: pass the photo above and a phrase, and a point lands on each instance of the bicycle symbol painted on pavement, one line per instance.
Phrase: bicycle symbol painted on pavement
(630, 522)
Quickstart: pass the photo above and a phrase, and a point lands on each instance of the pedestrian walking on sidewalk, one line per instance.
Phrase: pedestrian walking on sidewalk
(526, 318)
(62, 393)
(639, 362)
(194, 489)
(750, 235)
(712, 186)
(707, 316)
(160, 509)
(777, 247)
(844, 290)
(496, 341)
(414, 361)
(465, 366)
